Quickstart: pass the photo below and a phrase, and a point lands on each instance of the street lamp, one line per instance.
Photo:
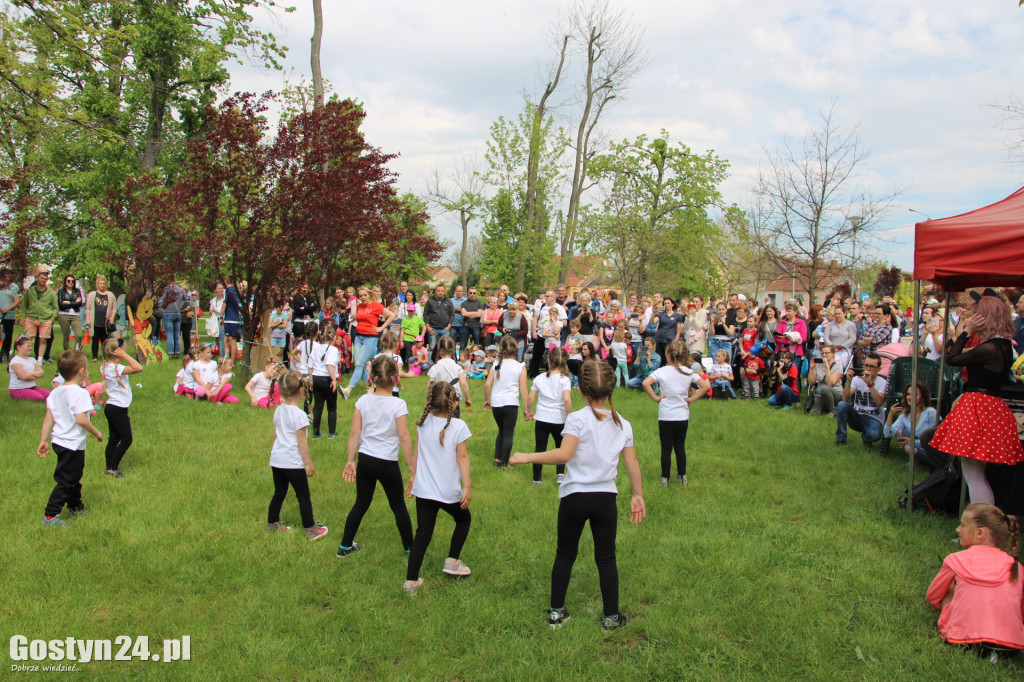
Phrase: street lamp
(855, 222)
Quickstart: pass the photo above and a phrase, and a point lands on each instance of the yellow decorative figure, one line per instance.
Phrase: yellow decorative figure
(140, 323)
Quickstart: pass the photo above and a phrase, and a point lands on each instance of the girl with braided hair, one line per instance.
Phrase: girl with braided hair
(379, 428)
(442, 462)
(593, 439)
(502, 392)
(552, 394)
(979, 591)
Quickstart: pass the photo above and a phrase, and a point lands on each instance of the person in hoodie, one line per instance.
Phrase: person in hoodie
(979, 591)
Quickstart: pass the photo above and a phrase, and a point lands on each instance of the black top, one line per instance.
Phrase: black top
(470, 306)
(987, 363)
(304, 307)
(586, 318)
(439, 312)
(69, 301)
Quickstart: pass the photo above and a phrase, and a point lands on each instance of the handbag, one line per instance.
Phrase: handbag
(213, 326)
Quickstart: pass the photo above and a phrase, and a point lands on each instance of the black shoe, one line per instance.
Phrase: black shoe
(557, 618)
(345, 551)
(614, 622)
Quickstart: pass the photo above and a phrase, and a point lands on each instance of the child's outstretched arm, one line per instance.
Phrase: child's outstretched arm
(44, 438)
(353, 447)
(412, 469)
(637, 508)
(557, 456)
(488, 384)
(462, 455)
(304, 451)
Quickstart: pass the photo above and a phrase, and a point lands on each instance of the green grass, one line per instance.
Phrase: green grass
(785, 558)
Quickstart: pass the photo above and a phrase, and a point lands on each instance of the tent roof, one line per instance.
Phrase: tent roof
(982, 248)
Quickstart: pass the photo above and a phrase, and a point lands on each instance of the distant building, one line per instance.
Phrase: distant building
(440, 274)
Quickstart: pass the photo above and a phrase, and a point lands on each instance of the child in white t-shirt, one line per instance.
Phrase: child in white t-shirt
(592, 441)
(552, 394)
(24, 372)
(441, 464)
(620, 355)
(448, 371)
(289, 458)
(675, 382)
(379, 429)
(263, 388)
(502, 390)
(116, 368)
(67, 425)
(721, 375)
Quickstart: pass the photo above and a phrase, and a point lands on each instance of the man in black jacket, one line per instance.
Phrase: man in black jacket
(439, 313)
(304, 309)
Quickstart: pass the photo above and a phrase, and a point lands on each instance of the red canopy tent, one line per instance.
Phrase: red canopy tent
(982, 248)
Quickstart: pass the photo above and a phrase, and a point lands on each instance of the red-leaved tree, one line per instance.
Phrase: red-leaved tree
(22, 226)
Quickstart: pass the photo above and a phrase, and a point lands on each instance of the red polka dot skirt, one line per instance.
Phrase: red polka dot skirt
(981, 427)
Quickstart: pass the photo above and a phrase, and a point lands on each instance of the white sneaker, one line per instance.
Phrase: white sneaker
(664, 482)
(346, 392)
(410, 586)
(683, 480)
(455, 567)
(559, 478)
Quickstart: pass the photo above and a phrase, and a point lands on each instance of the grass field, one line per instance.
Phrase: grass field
(785, 558)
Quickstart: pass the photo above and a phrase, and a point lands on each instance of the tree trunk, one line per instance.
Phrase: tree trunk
(318, 31)
(464, 216)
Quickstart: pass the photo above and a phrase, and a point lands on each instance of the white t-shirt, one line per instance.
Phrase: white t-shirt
(595, 464)
(446, 370)
(322, 356)
(725, 370)
(550, 399)
(505, 389)
(437, 468)
(188, 380)
(260, 385)
(56, 381)
(300, 355)
(65, 402)
(619, 351)
(379, 435)
(27, 365)
(674, 385)
(931, 352)
(207, 372)
(862, 401)
(183, 376)
(288, 420)
(119, 387)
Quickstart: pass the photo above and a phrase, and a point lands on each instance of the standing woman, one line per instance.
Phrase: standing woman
(768, 324)
(669, 326)
(491, 319)
(217, 313)
(10, 299)
(981, 428)
(371, 318)
(586, 317)
(514, 324)
(100, 308)
(70, 300)
(696, 326)
(189, 314)
(791, 332)
(721, 332)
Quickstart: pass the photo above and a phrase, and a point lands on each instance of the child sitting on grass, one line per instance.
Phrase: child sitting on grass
(67, 421)
(979, 591)
(263, 388)
(419, 363)
(25, 371)
(289, 459)
(479, 365)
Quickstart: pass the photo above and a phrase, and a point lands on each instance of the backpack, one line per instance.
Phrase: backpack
(939, 493)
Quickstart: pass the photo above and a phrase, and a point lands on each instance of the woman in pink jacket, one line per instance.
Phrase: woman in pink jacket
(979, 591)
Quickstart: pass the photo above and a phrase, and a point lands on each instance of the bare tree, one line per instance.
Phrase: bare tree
(318, 32)
(614, 54)
(1011, 119)
(462, 260)
(810, 192)
(462, 193)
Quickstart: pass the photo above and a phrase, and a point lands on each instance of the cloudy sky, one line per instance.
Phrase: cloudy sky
(918, 78)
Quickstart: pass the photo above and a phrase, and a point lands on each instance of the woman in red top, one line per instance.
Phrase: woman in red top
(491, 319)
(371, 319)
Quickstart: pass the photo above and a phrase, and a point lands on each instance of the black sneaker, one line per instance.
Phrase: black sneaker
(345, 551)
(840, 442)
(114, 473)
(614, 622)
(557, 618)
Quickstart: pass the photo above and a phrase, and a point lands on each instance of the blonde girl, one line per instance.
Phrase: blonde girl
(185, 383)
(264, 389)
(323, 370)
(447, 371)
(679, 386)
(289, 459)
(222, 388)
(440, 466)
(593, 440)
(502, 391)
(117, 366)
(552, 394)
(379, 429)
(24, 372)
(618, 357)
(389, 348)
(205, 374)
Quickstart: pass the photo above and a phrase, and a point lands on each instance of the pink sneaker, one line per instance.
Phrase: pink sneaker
(316, 532)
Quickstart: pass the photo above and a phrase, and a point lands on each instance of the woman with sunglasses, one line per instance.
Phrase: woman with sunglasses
(70, 300)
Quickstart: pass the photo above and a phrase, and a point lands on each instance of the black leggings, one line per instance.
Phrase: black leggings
(573, 513)
(369, 470)
(426, 517)
(505, 417)
(541, 431)
(5, 350)
(300, 484)
(99, 335)
(322, 392)
(673, 435)
(120, 437)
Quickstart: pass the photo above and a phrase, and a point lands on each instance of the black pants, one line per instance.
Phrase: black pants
(505, 418)
(673, 435)
(537, 358)
(405, 353)
(573, 513)
(541, 431)
(426, 517)
(99, 335)
(68, 476)
(46, 346)
(186, 333)
(300, 484)
(120, 437)
(369, 470)
(322, 393)
(5, 350)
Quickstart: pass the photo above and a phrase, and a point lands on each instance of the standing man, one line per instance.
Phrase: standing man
(439, 314)
(304, 308)
(730, 314)
(39, 309)
(472, 311)
(458, 323)
(404, 298)
(10, 299)
(172, 301)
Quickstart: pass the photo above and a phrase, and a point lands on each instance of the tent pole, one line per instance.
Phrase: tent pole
(942, 357)
(915, 330)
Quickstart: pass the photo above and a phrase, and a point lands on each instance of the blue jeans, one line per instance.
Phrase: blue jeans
(784, 398)
(468, 333)
(716, 345)
(438, 333)
(724, 385)
(363, 348)
(846, 416)
(172, 327)
(220, 339)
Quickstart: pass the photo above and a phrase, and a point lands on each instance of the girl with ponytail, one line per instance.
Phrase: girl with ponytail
(552, 394)
(593, 439)
(502, 392)
(441, 464)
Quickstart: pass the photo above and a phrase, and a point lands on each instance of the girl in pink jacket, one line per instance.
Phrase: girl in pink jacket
(979, 592)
